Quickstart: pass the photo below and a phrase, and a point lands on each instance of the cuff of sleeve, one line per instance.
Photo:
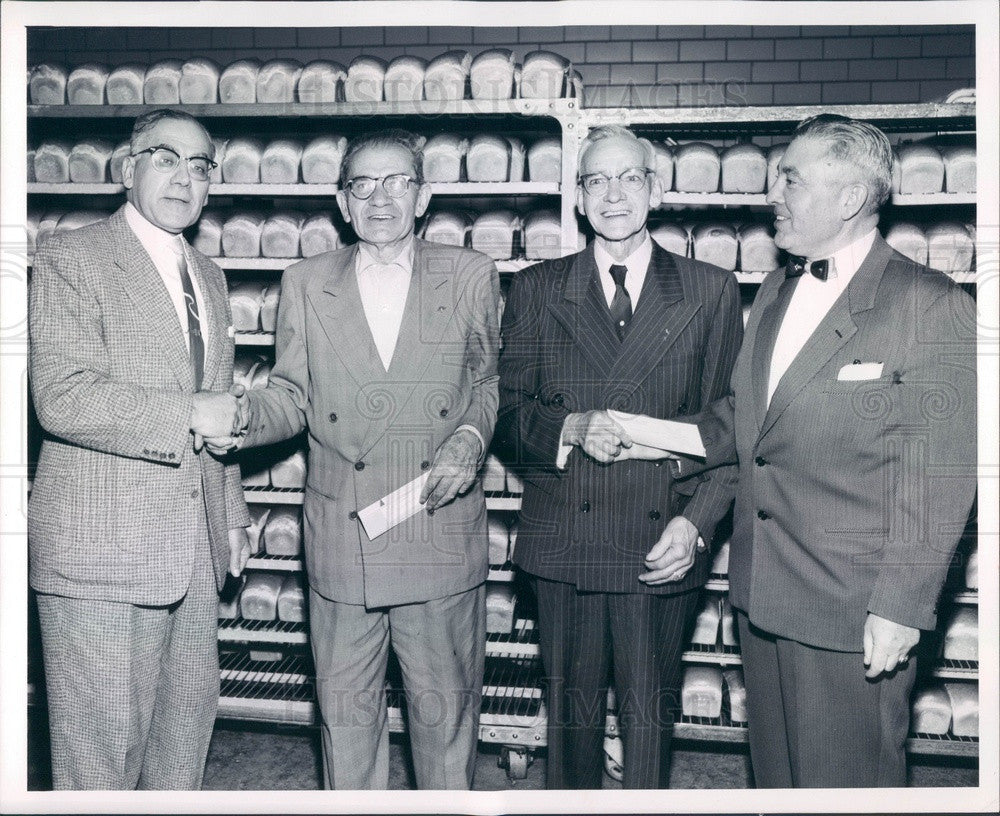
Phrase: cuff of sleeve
(562, 454)
(473, 429)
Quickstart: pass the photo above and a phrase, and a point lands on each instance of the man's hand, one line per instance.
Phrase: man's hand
(453, 471)
(221, 445)
(213, 414)
(887, 644)
(645, 453)
(597, 434)
(673, 555)
(240, 550)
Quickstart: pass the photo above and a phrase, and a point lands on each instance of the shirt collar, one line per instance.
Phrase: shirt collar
(150, 235)
(367, 257)
(638, 261)
(847, 260)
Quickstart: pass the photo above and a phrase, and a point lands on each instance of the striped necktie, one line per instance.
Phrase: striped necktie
(196, 343)
(621, 304)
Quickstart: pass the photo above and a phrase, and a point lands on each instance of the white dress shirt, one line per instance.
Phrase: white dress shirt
(164, 249)
(810, 302)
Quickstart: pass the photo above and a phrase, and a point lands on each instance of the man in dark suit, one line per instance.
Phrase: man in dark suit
(609, 537)
(853, 417)
(132, 525)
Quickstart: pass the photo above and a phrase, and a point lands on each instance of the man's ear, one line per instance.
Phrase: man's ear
(423, 199)
(655, 193)
(128, 171)
(342, 204)
(852, 200)
(579, 201)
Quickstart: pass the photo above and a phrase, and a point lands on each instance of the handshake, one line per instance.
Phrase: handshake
(220, 418)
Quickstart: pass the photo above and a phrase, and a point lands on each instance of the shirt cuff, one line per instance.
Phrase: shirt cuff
(562, 455)
(479, 436)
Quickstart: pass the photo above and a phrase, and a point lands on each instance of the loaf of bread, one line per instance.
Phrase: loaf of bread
(259, 598)
(728, 624)
(75, 219)
(254, 472)
(162, 85)
(245, 300)
(365, 80)
(493, 234)
(47, 84)
(118, 156)
(443, 157)
(241, 164)
(34, 217)
(500, 601)
(715, 244)
(207, 238)
(930, 711)
(773, 159)
(277, 80)
(279, 237)
(241, 235)
(949, 247)
(47, 225)
(30, 167)
(737, 695)
(292, 600)
(290, 472)
(972, 569)
(447, 75)
(493, 474)
(696, 168)
(964, 698)
(245, 367)
(321, 81)
(321, 159)
(86, 84)
(283, 532)
(543, 75)
(126, 85)
(672, 237)
(758, 252)
(664, 165)
(279, 163)
(961, 638)
(269, 308)
(543, 236)
(89, 161)
(545, 160)
(491, 75)
(706, 625)
(488, 159)
(447, 227)
(259, 515)
(921, 170)
(499, 541)
(909, 240)
(215, 176)
(574, 84)
(318, 235)
(744, 169)
(515, 484)
(720, 562)
(959, 168)
(701, 692)
(238, 82)
(52, 161)
(229, 606)
(404, 79)
(199, 82)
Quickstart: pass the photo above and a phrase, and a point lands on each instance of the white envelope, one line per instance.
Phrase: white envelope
(397, 507)
(665, 434)
(860, 371)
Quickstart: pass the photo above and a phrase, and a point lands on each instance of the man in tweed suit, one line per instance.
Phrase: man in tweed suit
(611, 539)
(386, 353)
(132, 525)
(853, 417)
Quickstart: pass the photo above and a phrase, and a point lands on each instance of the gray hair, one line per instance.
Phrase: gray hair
(148, 121)
(859, 144)
(391, 137)
(602, 132)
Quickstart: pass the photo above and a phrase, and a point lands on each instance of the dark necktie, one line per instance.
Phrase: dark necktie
(797, 265)
(621, 304)
(196, 343)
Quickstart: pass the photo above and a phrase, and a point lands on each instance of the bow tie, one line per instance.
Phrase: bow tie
(797, 265)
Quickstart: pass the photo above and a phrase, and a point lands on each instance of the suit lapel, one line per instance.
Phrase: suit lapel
(138, 278)
(763, 347)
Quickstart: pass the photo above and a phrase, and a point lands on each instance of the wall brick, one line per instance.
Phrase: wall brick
(750, 50)
(922, 68)
(680, 72)
(608, 96)
(801, 93)
(849, 47)
(243, 37)
(152, 38)
(574, 52)
(846, 93)
(594, 73)
(775, 31)
(755, 93)
(655, 96)
(703, 94)
(873, 30)
(961, 68)
(798, 49)
(194, 38)
(680, 32)
(631, 32)
(936, 89)
(872, 69)
(406, 35)
(823, 70)
(501, 35)
(361, 36)
(896, 47)
(727, 71)
(609, 52)
(636, 73)
(318, 37)
(826, 31)
(448, 35)
(657, 51)
(702, 51)
(775, 71)
(541, 34)
(952, 45)
(728, 32)
(589, 33)
(895, 92)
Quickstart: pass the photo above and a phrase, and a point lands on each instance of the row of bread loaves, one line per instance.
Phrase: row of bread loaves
(282, 234)
(502, 531)
(715, 613)
(268, 596)
(946, 246)
(946, 708)
(497, 478)
(41, 225)
(453, 75)
(500, 233)
(286, 474)
(749, 247)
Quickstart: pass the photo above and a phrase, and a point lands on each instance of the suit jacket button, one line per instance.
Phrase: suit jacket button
(171, 455)
(682, 408)
(654, 515)
(424, 465)
(559, 399)
(430, 511)
(145, 451)
(359, 465)
(333, 417)
(194, 493)
(760, 461)
(443, 413)
(585, 506)
(762, 515)
(352, 515)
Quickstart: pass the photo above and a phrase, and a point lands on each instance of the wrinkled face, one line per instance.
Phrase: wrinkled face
(809, 198)
(617, 214)
(380, 219)
(170, 200)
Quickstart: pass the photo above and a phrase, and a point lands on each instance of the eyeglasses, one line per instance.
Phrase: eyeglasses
(166, 160)
(631, 180)
(395, 186)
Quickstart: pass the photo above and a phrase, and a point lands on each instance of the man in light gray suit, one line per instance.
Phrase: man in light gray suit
(853, 418)
(386, 355)
(132, 525)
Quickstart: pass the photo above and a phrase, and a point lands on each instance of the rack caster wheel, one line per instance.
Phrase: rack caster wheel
(614, 758)
(516, 759)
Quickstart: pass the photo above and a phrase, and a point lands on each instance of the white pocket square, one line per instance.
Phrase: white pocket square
(860, 371)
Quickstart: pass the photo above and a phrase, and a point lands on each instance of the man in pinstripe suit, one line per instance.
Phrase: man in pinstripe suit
(132, 525)
(614, 544)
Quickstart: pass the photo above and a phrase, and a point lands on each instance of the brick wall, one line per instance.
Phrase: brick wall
(621, 65)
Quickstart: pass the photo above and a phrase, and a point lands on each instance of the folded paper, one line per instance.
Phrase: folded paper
(397, 507)
(665, 434)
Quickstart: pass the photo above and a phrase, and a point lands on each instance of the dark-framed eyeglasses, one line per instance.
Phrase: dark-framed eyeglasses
(631, 180)
(166, 159)
(395, 185)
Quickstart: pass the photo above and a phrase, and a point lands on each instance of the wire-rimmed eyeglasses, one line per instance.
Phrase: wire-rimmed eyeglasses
(631, 180)
(395, 185)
